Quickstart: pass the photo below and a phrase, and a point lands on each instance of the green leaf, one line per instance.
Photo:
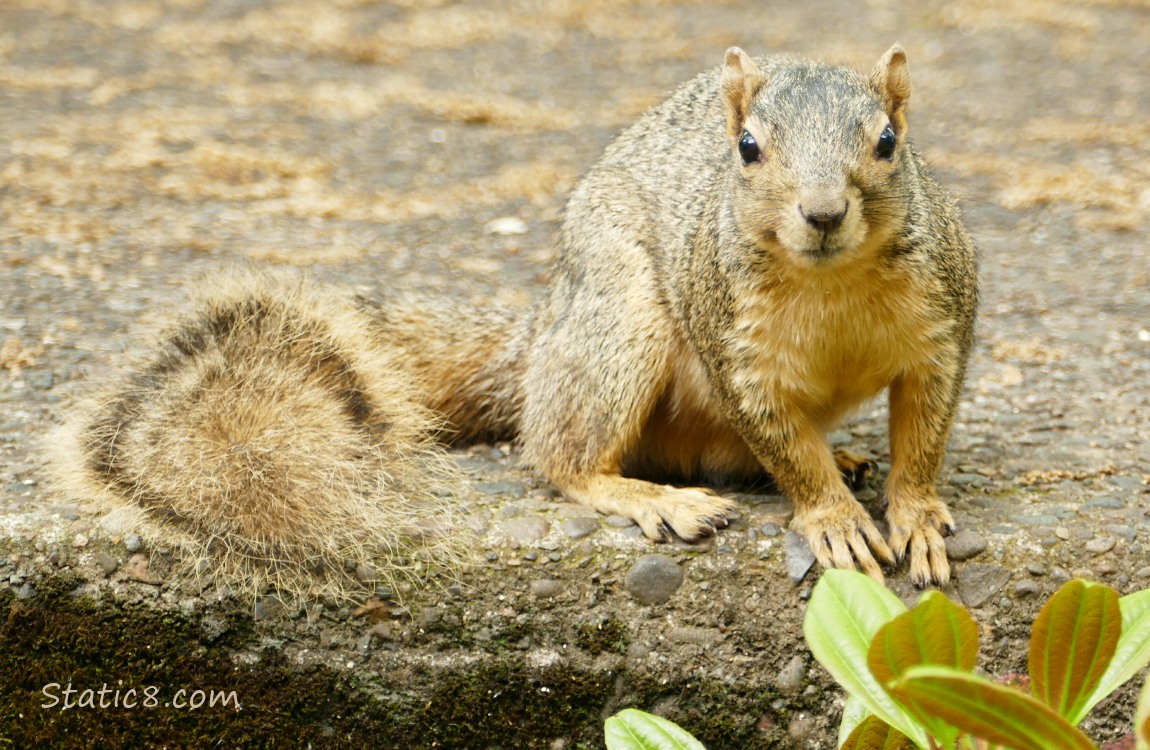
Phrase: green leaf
(845, 611)
(854, 712)
(1071, 644)
(1132, 653)
(1142, 719)
(632, 729)
(937, 631)
(996, 713)
(872, 733)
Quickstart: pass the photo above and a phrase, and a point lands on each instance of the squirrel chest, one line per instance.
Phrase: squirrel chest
(824, 342)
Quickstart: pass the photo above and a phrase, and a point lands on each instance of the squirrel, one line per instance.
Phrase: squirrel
(749, 262)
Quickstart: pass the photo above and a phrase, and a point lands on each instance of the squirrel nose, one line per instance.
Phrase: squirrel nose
(825, 218)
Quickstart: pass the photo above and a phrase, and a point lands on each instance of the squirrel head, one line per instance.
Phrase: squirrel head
(818, 154)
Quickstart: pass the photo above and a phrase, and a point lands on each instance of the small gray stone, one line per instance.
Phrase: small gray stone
(1041, 519)
(632, 532)
(619, 522)
(1059, 574)
(1024, 589)
(545, 588)
(1035, 569)
(132, 543)
(978, 582)
(503, 489)
(695, 636)
(801, 727)
(1126, 532)
(526, 529)
(577, 528)
(654, 578)
(1103, 501)
(107, 563)
(1100, 545)
(1132, 484)
(27, 591)
(769, 529)
(838, 438)
(137, 569)
(965, 545)
(968, 480)
(793, 675)
(1143, 572)
(799, 557)
(638, 651)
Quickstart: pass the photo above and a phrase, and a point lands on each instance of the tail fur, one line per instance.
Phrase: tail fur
(274, 435)
(469, 362)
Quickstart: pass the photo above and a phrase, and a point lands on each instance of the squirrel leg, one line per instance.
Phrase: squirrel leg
(837, 527)
(594, 375)
(920, 414)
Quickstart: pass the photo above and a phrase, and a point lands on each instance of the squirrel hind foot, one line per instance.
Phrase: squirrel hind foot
(856, 469)
(690, 513)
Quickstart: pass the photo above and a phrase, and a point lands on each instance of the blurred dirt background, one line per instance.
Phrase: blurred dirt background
(427, 143)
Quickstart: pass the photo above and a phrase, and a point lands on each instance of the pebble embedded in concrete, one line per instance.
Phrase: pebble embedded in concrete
(654, 578)
(799, 557)
(793, 675)
(545, 588)
(577, 528)
(965, 545)
(1100, 546)
(525, 529)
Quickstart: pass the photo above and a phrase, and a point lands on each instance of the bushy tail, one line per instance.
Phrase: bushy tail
(275, 436)
(469, 361)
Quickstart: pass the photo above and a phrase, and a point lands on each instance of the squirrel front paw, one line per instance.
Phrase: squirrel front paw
(841, 534)
(917, 526)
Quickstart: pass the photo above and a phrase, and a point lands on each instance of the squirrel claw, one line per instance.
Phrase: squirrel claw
(917, 532)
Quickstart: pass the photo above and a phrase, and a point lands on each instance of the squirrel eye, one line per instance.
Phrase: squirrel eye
(749, 149)
(885, 147)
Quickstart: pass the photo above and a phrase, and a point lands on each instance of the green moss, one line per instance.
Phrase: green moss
(56, 637)
(602, 634)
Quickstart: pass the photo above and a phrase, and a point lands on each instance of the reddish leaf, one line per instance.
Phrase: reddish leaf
(936, 631)
(872, 733)
(995, 713)
(1071, 644)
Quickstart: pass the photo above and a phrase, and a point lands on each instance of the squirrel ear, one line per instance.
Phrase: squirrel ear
(891, 79)
(741, 80)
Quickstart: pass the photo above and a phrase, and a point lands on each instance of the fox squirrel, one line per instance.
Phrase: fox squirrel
(750, 261)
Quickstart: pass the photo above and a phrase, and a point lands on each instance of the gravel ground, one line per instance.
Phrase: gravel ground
(432, 145)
